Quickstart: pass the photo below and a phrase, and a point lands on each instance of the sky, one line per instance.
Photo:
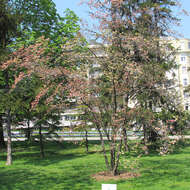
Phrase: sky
(82, 13)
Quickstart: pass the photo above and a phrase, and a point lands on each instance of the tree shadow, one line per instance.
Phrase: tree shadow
(54, 158)
(29, 179)
(54, 153)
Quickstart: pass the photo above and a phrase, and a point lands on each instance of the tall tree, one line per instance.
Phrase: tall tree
(8, 29)
(135, 52)
(36, 59)
(35, 19)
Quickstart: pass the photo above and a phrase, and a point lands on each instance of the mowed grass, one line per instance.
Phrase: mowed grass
(68, 167)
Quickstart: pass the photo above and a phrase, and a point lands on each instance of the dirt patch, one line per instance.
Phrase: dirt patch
(105, 176)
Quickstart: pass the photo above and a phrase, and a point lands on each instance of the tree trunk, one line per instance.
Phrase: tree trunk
(2, 140)
(145, 139)
(126, 146)
(86, 140)
(9, 149)
(28, 132)
(165, 140)
(112, 155)
(116, 164)
(103, 148)
(41, 142)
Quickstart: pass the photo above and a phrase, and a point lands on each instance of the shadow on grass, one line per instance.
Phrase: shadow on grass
(31, 172)
(54, 153)
(54, 158)
(30, 179)
(35, 145)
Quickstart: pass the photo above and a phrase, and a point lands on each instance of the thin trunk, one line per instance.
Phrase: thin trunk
(41, 142)
(124, 131)
(103, 148)
(145, 139)
(124, 137)
(115, 169)
(114, 98)
(2, 140)
(112, 156)
(113, 140)
(86, 140)
(28, 132)
(9, 149)
(112, 151)
(165, 140)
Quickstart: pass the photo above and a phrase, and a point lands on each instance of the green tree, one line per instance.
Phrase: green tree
(35, 19)
(8, 30)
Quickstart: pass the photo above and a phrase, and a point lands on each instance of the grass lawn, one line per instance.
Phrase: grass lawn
(68, 167)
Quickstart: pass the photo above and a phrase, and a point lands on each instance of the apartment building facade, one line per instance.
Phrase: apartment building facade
(182, 72)
(182, 76)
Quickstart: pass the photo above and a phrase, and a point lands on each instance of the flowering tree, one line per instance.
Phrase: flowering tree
(132, 62)
(16, 69)
(20, 27)
(31, 61)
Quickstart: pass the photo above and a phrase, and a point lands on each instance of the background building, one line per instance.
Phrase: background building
(183, 70)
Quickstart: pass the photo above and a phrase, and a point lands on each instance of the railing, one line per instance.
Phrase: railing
(65, 134)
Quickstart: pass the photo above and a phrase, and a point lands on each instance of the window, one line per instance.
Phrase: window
(189, 45)
(70, 117)
(185, 94)
(183, 59)
(185, 83)
(182, 44)
(184, 69)
(186, 106)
